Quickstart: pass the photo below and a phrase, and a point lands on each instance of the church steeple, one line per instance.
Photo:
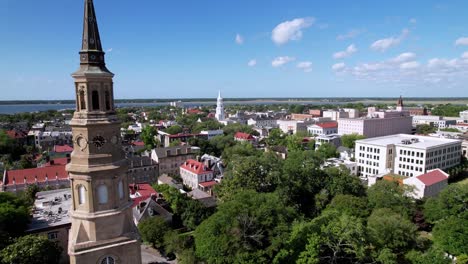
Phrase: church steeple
(91, 49)
(400, 104)
(102, 227)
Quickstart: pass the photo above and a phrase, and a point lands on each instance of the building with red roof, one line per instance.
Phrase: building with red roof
(52, 175)
(243, 137)
(63, 149)
(196, 175)
(321, 129)
(428, 184)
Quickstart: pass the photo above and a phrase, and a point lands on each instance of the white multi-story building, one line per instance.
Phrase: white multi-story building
(335, 114)
(262, 121)
(436, 121)
(321, 129)
(406, 155)
(293, 126)
(211, 133)
(379, 124)
(219, 108)
(328, 139)
(464, 115)
(194, 172)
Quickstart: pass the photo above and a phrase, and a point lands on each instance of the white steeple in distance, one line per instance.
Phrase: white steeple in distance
(219, 108)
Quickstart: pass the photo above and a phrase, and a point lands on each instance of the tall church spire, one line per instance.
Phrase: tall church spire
(219, 108)
(91, 49)
(400, 104)
(102, 227)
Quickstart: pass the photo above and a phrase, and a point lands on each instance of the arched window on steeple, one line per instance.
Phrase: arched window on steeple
(95, 100)
(121, 190)
(102, 194)
(81, 194)
(82, 101)
(107, 97)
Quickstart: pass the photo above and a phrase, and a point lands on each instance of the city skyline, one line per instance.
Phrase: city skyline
(261, 49)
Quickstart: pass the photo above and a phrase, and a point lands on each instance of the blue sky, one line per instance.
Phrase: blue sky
(245, 48)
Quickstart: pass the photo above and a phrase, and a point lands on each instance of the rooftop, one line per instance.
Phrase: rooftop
(51, 209)
(432, 177)
(195, 167)
(413, 141)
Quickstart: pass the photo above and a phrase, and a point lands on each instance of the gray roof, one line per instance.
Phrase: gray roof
(51, 209)
(162, 152)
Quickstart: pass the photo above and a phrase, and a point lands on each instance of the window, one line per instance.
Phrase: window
(121, 190)
(95, 99)
(52, 235)
(107, 97)
(82, 100)
(108, 260)
(102, 194)
(81, 194)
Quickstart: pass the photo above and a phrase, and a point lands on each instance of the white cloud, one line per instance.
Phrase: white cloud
(404, 57)
(109, 50)
(239, 39)
(409, 65)
(290, 30)
(306, 66)
(350, 34)
(338, 67)
(386, 43)
(413, 21)
(252, 62)
(442, 63)
(280, 61)
(350, 50)
(462, 41)
(465, 55)
(404, 70)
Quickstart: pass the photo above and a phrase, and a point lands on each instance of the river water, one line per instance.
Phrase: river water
(20, 108)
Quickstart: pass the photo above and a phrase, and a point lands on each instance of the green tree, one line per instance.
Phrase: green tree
(14, 217)
(259, 173)
(294, 143)
(452, 201)
(432, 256)
(451, 234)
(388, 229)
(276, 138)
(175, 143)
(250, 227)
(148, 136)
(350, 205)
(176, 129)
(152, 231)
(301, 180)
(339, 238)
(30, 193)
(349, 140)
(326, 151)
(387, 194)
(32, 249)
(425, 129)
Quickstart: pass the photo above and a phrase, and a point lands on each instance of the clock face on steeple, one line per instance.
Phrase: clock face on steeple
(98, 141)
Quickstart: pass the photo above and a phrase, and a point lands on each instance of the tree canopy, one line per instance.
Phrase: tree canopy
(32, 249)
(249, 227)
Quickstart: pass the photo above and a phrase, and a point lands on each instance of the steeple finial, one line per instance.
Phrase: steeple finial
(91, 49)
(400, 101)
